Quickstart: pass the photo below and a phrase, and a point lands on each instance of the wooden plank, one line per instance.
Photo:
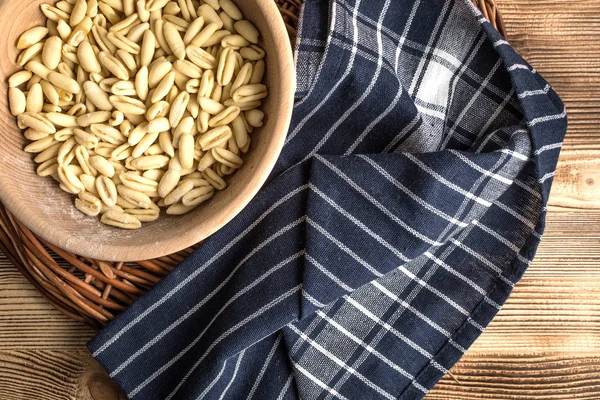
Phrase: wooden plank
(54, 375)
(28, 321)
(578, 178)
(522, 376)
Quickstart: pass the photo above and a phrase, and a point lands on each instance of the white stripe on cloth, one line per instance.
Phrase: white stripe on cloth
(401, 38)
(547, 176)
(419, 314)
(213, 383)
(547, 118)
(528, 93)
(548, 147)
(480, 327)
(377, 204)
(382, 242)
(341, 363)
(446, 182)
(360, 224)
(340, 80)
(432, 113)
(261, 374)
(497, 112)
(396, 333)
(367, 347)
(493, 137)
(344, 248)
(375, 122)
(515, 214)
(412, 195)
(462, 70)
(423, 60)
(316, 381)
(366, 93)
(327, 46)
(230, 331)
(501, 142)
(206, 299)
(470, 282)
(409, 22)
(519, 66)
(402, 268)
(527, 188)
(310, 298)
(374, 339)
(414, 45)
(198, 271)
(483, 260)
(328, 274)
(402, 134)
(466, 109)
(235, 371)
(501, 239)
(515, 154)
(435, 291)
(286, 387)
(477, 168)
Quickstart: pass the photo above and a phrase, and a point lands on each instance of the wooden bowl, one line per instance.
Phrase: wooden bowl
(49, 212)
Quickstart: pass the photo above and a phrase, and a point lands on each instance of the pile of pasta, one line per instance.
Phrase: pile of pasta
(135, 105)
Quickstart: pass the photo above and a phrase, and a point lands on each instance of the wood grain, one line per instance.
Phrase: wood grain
(42, 352)
(54, 375)
(544, 344)
(579, 175)
(522, 376)
(29, 322)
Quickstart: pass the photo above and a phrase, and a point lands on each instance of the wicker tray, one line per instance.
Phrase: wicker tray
(94, 291)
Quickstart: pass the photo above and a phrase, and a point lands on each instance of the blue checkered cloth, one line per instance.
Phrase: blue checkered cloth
(409, 199)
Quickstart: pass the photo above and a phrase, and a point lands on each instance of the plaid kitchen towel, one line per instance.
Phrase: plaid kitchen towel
(409, 199)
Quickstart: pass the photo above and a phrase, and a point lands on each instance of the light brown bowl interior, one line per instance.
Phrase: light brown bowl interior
(49, 212)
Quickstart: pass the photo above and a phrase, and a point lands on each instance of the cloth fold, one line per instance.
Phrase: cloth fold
(408, 201)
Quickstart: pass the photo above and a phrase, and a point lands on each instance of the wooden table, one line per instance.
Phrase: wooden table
(545, 343)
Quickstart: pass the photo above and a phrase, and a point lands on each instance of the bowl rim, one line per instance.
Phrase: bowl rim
(168, 245)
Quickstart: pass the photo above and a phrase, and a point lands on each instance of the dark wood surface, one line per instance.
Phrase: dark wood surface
(544, 344)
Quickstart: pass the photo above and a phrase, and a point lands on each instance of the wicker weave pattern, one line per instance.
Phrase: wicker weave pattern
(491, 12)
(93, 291)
